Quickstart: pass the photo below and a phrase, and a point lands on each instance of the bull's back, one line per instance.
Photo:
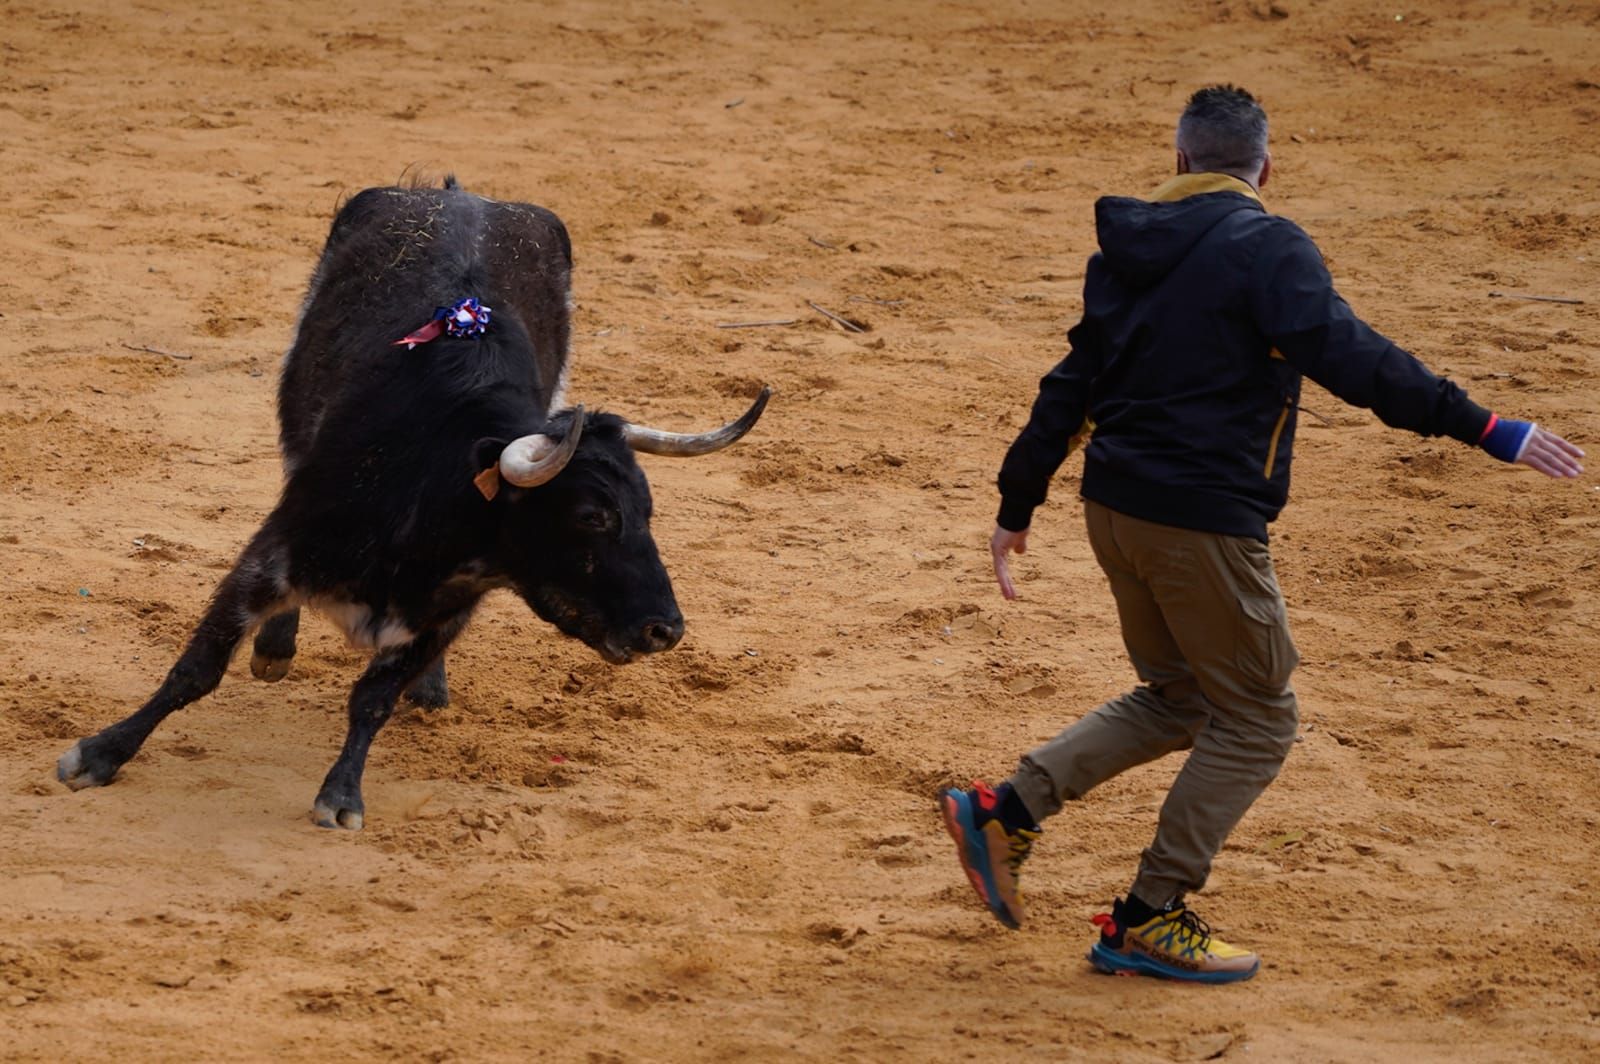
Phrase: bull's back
(395, 254)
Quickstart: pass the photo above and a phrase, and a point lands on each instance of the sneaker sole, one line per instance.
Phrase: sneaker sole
(974, 854)
(1115, 963)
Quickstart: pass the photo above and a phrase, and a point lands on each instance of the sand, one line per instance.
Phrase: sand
(731, 852)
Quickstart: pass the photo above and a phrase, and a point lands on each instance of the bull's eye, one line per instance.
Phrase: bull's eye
(595, 519)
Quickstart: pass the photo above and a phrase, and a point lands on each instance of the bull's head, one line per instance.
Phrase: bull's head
(577, 540)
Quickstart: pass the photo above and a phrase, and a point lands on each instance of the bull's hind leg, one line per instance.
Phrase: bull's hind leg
(372, 700)
(253, 589)
(274, 646)
(430, 690)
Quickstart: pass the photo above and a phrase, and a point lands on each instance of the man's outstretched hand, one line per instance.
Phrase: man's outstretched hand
(1003, 542)
(1525, 443)
(1551, 455)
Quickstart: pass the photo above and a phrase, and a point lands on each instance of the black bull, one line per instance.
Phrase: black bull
(420, 477)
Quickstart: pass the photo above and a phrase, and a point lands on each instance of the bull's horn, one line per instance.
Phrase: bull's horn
(689, 444)
(529, 461)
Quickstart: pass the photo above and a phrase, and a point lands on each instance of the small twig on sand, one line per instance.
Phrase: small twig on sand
(158, 351)
(876, 302)
(755, 324)
(822, 244)
(846, 322)
(734, 103)
(1536, 299)
(1319, 417)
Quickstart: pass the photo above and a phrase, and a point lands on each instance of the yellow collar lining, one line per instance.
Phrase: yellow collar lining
(1185, 185)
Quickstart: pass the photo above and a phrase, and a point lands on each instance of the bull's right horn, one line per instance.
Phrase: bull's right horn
(690, 444)
(529, 461)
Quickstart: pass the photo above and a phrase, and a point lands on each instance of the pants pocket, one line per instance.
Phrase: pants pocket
(1264, 652)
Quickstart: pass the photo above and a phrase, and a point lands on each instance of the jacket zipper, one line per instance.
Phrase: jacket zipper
(1277, 431)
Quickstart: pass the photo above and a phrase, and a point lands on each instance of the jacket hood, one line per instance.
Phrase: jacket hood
(1143, 240)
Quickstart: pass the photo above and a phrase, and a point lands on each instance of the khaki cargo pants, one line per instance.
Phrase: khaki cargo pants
(1204, 624)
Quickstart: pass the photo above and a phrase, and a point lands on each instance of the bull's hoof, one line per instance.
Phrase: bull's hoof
(269, 669)
(431, 690)
(78, 768)
(428, 696)
(336, 814)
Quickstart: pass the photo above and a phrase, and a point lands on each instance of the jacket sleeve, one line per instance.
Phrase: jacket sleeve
(1295, 306)
(1059, 419)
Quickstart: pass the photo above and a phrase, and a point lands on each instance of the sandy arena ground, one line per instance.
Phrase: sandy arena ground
(731, 852)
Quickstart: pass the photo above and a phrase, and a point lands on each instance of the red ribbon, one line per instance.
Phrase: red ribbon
(428, 332)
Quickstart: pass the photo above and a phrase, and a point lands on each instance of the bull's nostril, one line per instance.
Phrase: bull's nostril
(662, 635)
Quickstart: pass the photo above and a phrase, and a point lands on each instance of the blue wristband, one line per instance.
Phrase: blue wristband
(1507, 438)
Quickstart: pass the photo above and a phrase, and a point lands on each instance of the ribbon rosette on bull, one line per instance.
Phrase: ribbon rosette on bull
(466, 317)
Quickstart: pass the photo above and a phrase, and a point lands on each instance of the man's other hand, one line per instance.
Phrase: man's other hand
(1003, 542)
(1551, 455)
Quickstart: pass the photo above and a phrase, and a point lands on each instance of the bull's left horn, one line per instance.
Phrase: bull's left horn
(689, 444)
(529, 461)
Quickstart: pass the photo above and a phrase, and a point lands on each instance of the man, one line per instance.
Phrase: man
(1201, 313)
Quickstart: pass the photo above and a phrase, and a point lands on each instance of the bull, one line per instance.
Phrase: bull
(429, 460)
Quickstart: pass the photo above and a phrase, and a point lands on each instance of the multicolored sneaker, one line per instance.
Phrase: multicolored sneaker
(991, 851)
(1173, 944)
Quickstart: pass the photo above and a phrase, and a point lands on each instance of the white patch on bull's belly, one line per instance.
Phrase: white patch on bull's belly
(393, 634)
(359, 626)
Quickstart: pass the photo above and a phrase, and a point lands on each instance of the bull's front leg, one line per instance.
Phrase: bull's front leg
(254, 589)
(372, 700)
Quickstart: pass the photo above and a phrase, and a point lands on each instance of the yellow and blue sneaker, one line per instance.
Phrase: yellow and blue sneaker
(993, 832)
(1174, 943)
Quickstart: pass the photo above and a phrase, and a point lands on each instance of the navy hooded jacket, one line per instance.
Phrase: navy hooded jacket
(1201, 312)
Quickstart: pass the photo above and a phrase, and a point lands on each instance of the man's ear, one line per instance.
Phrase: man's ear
(486, 466)
(1266, 171)
(1183, 162)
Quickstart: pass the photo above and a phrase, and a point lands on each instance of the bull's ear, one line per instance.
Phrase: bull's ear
(486, 466)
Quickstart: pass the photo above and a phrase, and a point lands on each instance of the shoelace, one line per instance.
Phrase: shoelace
(1019, 846)
(1197, 928)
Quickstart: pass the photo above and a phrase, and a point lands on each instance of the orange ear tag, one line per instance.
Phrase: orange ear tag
(488, 482)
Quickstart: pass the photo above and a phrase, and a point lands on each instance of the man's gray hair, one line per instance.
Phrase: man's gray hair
(1223, 129)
